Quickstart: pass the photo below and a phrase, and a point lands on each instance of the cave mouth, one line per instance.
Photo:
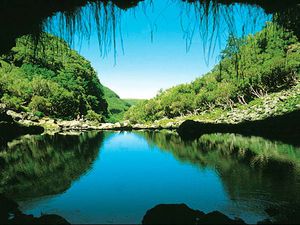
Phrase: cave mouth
(31, 17)
(104, 26)
(144, 45)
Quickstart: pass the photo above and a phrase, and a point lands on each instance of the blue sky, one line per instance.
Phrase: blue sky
(148, 65)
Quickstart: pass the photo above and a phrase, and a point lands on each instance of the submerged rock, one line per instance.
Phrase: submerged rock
(182, 214)
(11, 214)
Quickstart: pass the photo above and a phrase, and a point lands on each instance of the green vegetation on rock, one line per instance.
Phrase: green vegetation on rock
(50, 79)
(116, 106)
(250, 69)
(133, 101)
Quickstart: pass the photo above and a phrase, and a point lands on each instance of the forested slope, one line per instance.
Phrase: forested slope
(250, 68)
(53, 80)
(50, 79)
(116, 106)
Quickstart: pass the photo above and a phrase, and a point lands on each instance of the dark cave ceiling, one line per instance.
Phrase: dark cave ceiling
(20, 17)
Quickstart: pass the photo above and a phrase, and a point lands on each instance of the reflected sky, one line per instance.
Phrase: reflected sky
(129, 177)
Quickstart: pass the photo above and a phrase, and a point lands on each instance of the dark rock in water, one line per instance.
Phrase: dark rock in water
(52, 219)
(284, 215)
(272, 211)
(217, 217)
(190, 129)
(4, 116)
(182, 214)
(7, 207)
(11, 130)
(172, 214)
(284, 128)
(10, 214)
(266, 221)
(45, 219)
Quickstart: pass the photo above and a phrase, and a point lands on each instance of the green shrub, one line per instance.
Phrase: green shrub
(39, 114)
(12, 102)
(92, 116)
(40, 104)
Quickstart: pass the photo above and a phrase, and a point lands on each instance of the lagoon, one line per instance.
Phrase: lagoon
(115, 177)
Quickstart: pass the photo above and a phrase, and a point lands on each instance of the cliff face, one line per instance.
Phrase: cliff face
(18, 18)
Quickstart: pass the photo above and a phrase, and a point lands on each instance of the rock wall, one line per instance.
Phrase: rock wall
(18, 18)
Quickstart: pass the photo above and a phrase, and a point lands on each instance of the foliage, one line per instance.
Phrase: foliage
(40, 104)
(13, 102)
(116, 106)
(40, 165)
(39, 114)
(91, 115)
(50, 78)
(133, 101)
(250, 68)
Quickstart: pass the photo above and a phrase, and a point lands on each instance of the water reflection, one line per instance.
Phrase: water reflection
(132, 172)
(40, 165)
(257, 174)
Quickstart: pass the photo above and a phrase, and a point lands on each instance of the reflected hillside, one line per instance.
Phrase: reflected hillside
(35, 166)
(255, 172)
(255, 151)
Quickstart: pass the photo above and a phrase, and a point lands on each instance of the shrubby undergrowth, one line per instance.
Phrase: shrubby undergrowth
(250, 68)
(50, 79)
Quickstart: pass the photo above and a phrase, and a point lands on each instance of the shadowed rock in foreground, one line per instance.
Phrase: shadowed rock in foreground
(285, 128)
(9, 129)
(182, 214)
(10, 214)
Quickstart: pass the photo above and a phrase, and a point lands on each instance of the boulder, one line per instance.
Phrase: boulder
(182, 214)
(138, 126)
(32, 118)
(106, 126)
(16, 116)
(11, 214)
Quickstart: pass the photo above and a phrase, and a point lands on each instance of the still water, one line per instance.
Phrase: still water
(112, 177)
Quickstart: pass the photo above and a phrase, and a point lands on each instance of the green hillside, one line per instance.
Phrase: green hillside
(250, 68)
(50, 79)
(133, 101)
(116, 106)
(54, 80)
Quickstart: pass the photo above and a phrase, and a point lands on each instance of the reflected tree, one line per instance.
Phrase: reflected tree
(255, 172)
(35, 166)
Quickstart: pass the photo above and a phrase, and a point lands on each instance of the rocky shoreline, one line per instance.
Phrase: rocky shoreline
(273, 125)
(50, 124)
(10, 129)
(285, 128)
